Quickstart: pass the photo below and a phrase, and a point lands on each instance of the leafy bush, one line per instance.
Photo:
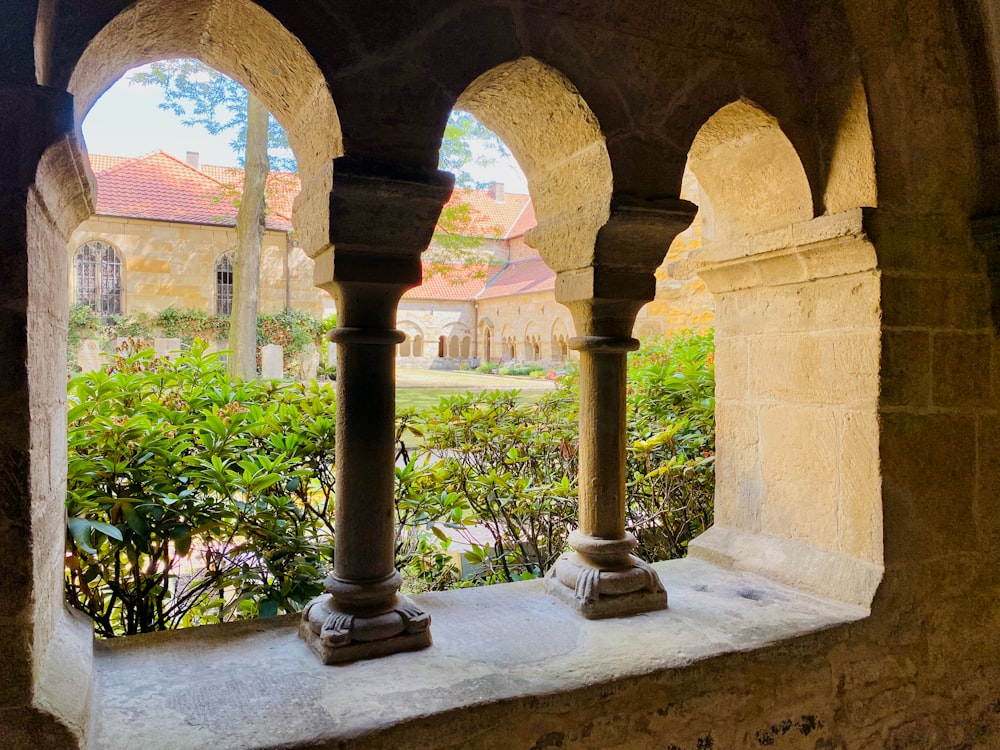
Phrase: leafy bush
(671, 432)
(192, 498)
(188, 325)
(507, 467)
(195, 499)
(487, 368)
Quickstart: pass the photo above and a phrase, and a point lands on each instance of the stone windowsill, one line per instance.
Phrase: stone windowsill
(256, 684)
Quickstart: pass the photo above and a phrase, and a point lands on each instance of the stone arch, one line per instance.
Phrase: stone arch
(413, 344)
(508, 344)
(486, 333)
(750, 171)
(226, 35)
(532, 347)
(780, 392)
(559, 341)
(557, 140)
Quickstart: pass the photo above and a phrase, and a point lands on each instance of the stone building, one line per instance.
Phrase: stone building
(848, 595)
(503, 307)
(162, 235)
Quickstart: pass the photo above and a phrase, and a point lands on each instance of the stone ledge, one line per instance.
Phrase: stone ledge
(791, 562)
(257, 685)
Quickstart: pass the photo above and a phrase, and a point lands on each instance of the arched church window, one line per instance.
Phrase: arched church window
(98, 270)
(224, 284)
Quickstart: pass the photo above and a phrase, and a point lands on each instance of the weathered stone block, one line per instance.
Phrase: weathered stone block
(929, 482)
(272, 363)
(799, 462)
(859, 510)
(739, 488)
(961, 364)
(906, 368)
(732, 363)
(830, 368)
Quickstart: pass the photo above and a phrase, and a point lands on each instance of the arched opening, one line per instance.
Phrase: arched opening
(404, 348)
(418, 346)
(289, 82)
(794, 410)
(559, 341)
(557, 141)
(465, 350)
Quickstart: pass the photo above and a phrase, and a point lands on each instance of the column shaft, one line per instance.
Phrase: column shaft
(602, 444)
(365, 520)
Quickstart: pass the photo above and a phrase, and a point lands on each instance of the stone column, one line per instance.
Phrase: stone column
(600, 576)
(382, 218)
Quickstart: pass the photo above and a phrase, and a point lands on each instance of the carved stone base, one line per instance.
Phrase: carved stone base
(598, 593)
(338, 637)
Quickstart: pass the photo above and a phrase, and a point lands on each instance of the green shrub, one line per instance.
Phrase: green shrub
(487, 368)
(521, 370)
(192, 498)
(195, 499)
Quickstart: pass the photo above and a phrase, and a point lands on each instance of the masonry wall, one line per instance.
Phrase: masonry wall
(173, 265)
(536, 315)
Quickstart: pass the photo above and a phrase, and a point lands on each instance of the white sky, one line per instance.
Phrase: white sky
(126, 121)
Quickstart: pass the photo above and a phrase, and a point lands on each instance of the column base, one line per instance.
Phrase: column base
(597, 593)
(337, 637)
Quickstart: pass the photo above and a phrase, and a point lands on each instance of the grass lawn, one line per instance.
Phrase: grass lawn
(423, 398)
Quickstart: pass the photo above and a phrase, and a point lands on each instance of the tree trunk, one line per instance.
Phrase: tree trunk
(249, 238)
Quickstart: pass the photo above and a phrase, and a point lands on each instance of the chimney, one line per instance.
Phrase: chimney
(496, 191)
(192, 159)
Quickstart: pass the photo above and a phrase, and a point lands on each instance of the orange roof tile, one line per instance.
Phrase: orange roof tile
(520, 277)
(479, 215)
(161, 188)
(282, 187)
(452, 281)
(158, 186)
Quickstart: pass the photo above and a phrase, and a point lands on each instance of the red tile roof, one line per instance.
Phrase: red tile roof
(520, 277)
(282, 187)
(158, 186)
(161, 188)
(477, 214)
(452, 281)
(458, 282)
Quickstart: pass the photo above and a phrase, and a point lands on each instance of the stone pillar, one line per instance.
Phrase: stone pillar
(600, 576)
(46, 651)
(382, 218)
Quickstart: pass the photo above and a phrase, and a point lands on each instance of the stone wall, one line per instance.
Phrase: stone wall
(173, 265)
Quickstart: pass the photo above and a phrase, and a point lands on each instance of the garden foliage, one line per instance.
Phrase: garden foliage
(192, 498)
(196, 499)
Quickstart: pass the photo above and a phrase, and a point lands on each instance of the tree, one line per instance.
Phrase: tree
(219, 104)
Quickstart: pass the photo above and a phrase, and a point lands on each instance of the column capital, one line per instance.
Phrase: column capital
(638, 232)
(382, 217)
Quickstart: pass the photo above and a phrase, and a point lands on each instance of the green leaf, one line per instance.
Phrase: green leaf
(79, 528)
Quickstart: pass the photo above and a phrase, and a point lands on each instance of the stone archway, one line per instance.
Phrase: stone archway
(558, 142)
(791, 291)
(226, 34)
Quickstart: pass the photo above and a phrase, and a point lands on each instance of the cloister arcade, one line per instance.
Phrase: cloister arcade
(851, 154)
